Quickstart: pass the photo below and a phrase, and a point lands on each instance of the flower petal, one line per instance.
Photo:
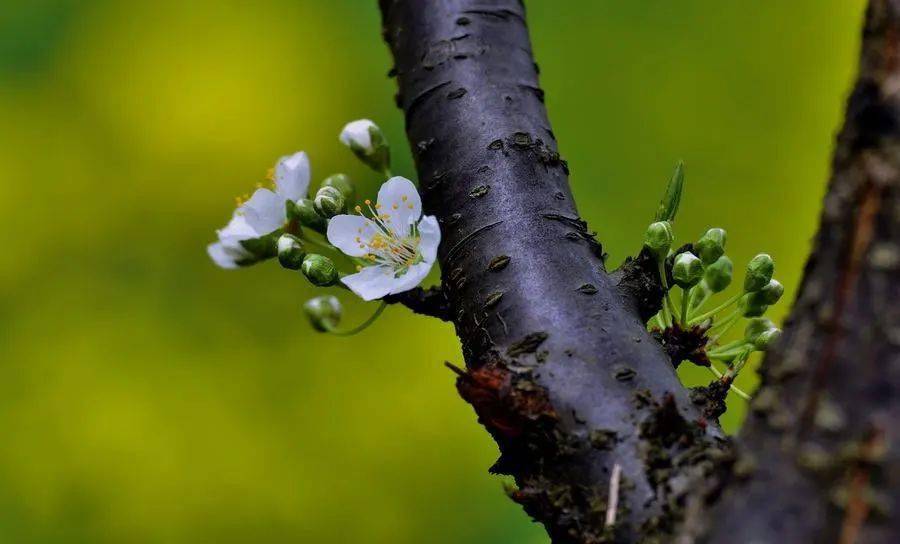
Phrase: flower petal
(237, 228)
(349, 232)
(357, 132)
(429, 238)
(264, 212)
(399, 199)
(413, 277)
(371, 282)
(221, 257)
(292, 176)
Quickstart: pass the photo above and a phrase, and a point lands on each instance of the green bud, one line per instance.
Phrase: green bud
(772, 291)
(757, 326)
(659, 238)
(759, 272)
(342, 183)
(711, 245)
(687, 270)
(766, 339)
(324, 312)
(668, 206)
(718, 275)
(752, 305)
(329, 202)
(290, 251)
(304, 211)
(367, 142)
(319, 270)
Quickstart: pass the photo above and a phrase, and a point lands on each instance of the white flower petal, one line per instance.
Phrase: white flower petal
(292, 176)
(429, 238)
(237, 228)
(413, 277)
(221, 257)
(371, 282)
(349, 232)
(264, 212)
(400, 201)
(358, 132)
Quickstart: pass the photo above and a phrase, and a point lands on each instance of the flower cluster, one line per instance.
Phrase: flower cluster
(390, 243)
(701, 271)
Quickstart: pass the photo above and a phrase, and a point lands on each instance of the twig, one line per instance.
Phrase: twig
(613, 505)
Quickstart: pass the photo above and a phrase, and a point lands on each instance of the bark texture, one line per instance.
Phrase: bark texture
(559, 366)
(822, 446)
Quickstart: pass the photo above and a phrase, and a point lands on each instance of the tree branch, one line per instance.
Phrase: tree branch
(431, 302)
(559, 365)
(823, 434)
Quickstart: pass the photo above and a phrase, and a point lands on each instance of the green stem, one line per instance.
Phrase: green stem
(738, 364)
(668, 307)
(727, 346)
(685, 302)
(726, 325)
(737, 391)
(691, 298)
(724, 354)
(364, 325)
(702, 317)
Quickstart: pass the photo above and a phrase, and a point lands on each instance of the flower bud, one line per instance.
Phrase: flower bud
(687, 270)
(759, 272)
(304, 211)
(772, 292)
(752, 305)
(367, 142)
(766, 339)
(342, 183)
(319, 270)
(718, 275)
(324, 312)
(329, 202)
(711, 245)
(290, 251)
(757, 326)
(659, 238)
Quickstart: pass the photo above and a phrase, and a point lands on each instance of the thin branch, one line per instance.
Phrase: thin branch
(431, 302)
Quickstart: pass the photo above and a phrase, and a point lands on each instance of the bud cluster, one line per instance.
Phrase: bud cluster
(700, 272)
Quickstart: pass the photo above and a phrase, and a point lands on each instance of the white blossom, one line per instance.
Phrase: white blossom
(261, 214)
(397, 245)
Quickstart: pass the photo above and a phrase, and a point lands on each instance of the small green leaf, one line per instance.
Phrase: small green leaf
(668, 206)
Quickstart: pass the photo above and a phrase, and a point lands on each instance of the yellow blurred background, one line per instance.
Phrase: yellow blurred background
(149, 397)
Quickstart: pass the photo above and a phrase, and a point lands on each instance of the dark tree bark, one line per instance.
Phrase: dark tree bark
(559, 366)
(823, 437)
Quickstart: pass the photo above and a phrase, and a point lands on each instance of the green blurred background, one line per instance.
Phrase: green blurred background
(147, 396)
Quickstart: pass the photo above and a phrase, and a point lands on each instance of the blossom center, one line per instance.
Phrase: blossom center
(389, 245)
